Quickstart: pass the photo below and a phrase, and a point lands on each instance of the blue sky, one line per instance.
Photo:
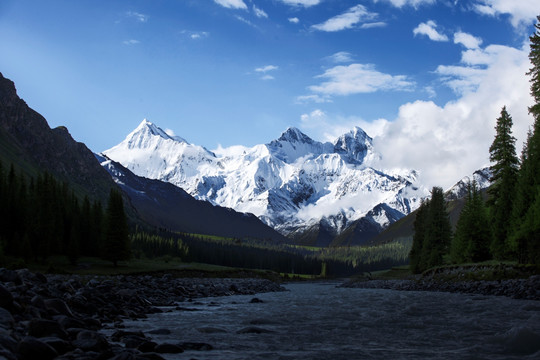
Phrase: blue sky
(425, 78)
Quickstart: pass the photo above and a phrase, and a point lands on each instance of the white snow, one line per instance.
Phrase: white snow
(289, 183)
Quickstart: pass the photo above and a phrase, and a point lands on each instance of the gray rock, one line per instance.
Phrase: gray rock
(44, 328)
(6, 319)
(59, 306)
(91, 341)
(31, 348)
(6, 298)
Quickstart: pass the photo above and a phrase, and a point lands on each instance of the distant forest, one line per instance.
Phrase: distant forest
(41, 217)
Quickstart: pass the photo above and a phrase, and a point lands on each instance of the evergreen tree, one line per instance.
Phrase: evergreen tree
(420, 223)
(472, 238)
(117, 246)
(438, 230)
(505, 168)
(524, 235)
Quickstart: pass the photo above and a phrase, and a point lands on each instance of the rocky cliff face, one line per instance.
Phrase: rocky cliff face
(28, 140)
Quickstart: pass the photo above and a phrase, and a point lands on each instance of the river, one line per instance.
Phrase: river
(321, 321)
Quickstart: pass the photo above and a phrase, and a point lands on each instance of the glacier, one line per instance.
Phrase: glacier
(294, 184)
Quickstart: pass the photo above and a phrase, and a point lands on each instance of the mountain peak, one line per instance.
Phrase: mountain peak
(355, 145)
(148, 128)
(294, 135)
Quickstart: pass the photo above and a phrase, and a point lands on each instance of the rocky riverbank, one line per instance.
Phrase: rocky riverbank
(459, 280)
(60, 316)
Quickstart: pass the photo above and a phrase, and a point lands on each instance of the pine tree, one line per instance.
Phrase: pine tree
(116, 245)
(524, 235)
(505, 168)
(438, 231)
(472, 237)
(420, 223)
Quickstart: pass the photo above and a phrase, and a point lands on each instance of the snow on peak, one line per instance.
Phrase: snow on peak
(294, 135)
(289, 182)
(146, 130)
(354, 145)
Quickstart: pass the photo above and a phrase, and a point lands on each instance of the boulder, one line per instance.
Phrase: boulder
(91, 341)
(31, 348)
(44, 328)
(6, 299)
(6, 319)
(58, 306)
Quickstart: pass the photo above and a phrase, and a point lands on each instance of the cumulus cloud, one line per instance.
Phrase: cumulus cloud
(328, 127)
(522, 12)
(413, 3)
(260, 13)
(429, 29)
(294, 20)
(304, 3)
(467, 40)
(131, 42)
(358, 78)
(450, 141)
(232, 4)
(346, 20)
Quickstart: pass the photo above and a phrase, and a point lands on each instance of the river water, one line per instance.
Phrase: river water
(321, 321)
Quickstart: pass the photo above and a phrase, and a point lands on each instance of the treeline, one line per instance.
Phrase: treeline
(41, 216)
(507, 226)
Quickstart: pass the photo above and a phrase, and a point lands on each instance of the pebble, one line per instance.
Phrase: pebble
(60, 316)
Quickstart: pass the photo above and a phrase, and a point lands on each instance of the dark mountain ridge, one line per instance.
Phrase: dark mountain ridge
(27, 142)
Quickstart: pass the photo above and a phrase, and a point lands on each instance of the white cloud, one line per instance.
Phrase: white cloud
(232, 4)
(131, 42)
(266, 68)
(359, 78)
(341, 57)
(327, 127)
(245, 21)
(413, 3)
(476, 65)
(170, 132)
(196, 35)
(346, 20)
(303, 99)
(137, 16)
(260, 13)
(372, 25)
(522, 12)
(429, 29)
(448, 142)
(467, 40)
(304, 3)
(294, 20)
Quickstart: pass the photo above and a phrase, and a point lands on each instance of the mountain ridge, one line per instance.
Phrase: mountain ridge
(291, 183)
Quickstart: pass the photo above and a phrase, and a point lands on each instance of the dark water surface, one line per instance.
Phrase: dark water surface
(320, 321)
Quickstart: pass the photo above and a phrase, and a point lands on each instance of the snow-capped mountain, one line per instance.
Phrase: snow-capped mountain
(482, 178)
(294, 183)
